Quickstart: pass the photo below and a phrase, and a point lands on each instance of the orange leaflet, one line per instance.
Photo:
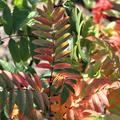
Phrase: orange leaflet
(62, 65)
(43, 20)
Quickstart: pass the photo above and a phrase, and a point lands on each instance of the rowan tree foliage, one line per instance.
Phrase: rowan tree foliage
(63, 60)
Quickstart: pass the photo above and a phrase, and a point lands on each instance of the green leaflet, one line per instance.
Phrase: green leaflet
(29, 104)
(29, 99)
(8, 22)
(2, 82)
(21, 100)
(7, 66)
(38, 100)
(19, 18)
(3, 98)
(64, 95)
(4, 115)
(12, 98)
(94, 69)
(2, 4)
(70, 87)
(14, 50)
(86, 27)
(20, 3)
(24, 49)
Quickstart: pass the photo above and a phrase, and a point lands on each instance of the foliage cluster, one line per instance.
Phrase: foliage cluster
(78, 55)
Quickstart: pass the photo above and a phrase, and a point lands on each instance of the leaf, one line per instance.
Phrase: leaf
(61, 47)
(42, 12)
(8, 23)
(20, 3)
(62, 55)
(62, 39)
(21, 100)
(60, 24)
(42, 34)
(46, 99)
(20, 79)
(3, 97)
(42, 42)
(43, 57)
(12, 98)
(94, 69)
(38, 82)
(19, 18)
(50, 5)
(7, 77)
(4, 115)
(114, 101)
(59, 15)
(2, 4)
(61, 32)
(44, 65)
(62, 65)
(86, 26)
(24, 49)
(43, 20)
(7, 66)
(70, 87)
(2, 82)
(42, 27)
(38, 99)
(14, 50)
(64, 95)
(47, 51)
(30, 81)
(29, 100)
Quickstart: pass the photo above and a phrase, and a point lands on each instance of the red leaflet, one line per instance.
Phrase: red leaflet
(30, 81)
(43, 20)
(43, 57)
(101, 6)
(44, 65)
(47, 51)
(20, 79)
(62, 65)
(37, 81)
